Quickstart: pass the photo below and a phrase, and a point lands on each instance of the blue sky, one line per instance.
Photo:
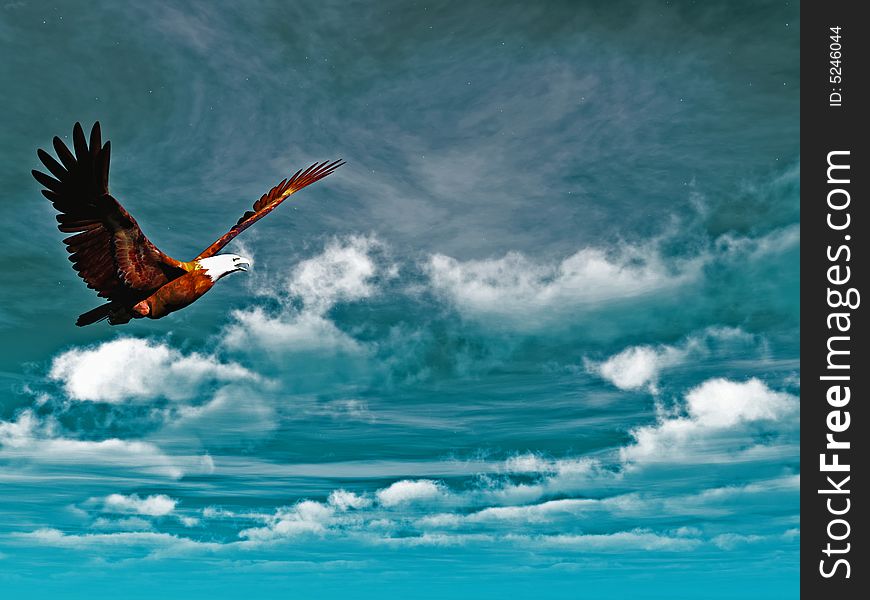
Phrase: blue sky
(539, 336)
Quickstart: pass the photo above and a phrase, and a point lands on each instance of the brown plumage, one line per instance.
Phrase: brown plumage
(272, 199)
(109, 250)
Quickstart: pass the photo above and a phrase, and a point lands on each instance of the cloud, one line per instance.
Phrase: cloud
(533, 513)
(639, 367)
(717, 411)
(345, 271)
(540, 477)
(731, 499)
(723, 403)
(188, 521)
(438, 539)
(344, 500)
(565, 514)
(151, 543)
(410, 491)
(138, 370)
(156, 505)
(621, 541)
(517, 286)
(758, 248)
(234, 412)
(529, 500)
(306, 517)
(342, 272)
(29, 438)
(529, 463)
(526, 292)
(729, 541)
(128, 524)
(353, 516)
(290, 330)
(349, 408)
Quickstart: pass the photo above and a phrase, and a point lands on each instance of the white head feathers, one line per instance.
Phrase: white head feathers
(222, 264)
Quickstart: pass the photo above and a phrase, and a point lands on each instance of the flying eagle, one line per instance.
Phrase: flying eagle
(113, 256)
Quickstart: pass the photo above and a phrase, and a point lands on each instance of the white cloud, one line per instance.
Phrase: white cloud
(549, 477)
(188, 521)
(128, 524)
(289, 330)
(29, 438)
(723, 403)
(639, 367)
(729, 541)
(19, 433)
(306, 517)
(214, 512)
(533, 513)
(345, 271)
(527, 293)
(529, 463)
(355, 516)
(408, 491)
(760, 248)
(155, 505)
(716, 409)
(514, 285)
(342, 272)
(438, 539)
(582, 512)
(154, 544)
(441, 521)
(621, 541)
(138, 369)
(344, 500)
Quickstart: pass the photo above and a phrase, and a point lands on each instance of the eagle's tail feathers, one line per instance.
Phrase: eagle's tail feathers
(100, 313)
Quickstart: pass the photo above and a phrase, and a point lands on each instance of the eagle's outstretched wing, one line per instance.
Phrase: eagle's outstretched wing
(270, 200)
(108, 250)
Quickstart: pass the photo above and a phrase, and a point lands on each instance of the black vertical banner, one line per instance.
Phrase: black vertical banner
(834, 263)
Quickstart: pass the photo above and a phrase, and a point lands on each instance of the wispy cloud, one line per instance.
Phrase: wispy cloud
(125, 524)
(621, 541)
(29, 439)
(144, 543)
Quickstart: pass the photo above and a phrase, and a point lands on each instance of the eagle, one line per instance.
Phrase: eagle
(109, 250)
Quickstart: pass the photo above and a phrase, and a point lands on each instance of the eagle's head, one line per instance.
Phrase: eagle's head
(224, 264)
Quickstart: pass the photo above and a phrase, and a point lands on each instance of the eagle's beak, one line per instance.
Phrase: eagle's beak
(243, 264)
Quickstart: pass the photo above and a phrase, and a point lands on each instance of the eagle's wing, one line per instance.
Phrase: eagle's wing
(108, 250)
(270, 200)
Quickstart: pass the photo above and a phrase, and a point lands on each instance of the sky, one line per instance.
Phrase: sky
(539, 336)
